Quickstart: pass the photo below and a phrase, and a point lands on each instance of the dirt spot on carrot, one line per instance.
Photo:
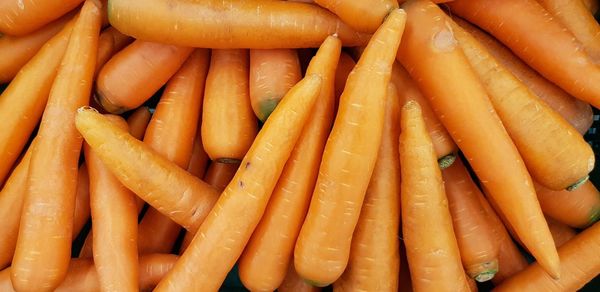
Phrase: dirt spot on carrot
(444, 40)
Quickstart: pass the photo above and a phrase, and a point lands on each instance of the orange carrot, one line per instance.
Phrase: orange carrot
(364, 16)
(199, 159)
(81, 215)
(561, 233)
(220, 174)
(44, 244)
(591, 5)
(579, 208)
(21, 17)
(512, 21)
(138, 122)
(348, 160)
(293, 283)
(431, 247)
(265, 261)
(135, 73)
(473, 123)
(374, 263)
(345, 66)
(272, 74)
(230, 24)
(110, 42)
(228, 124)
(578, 266)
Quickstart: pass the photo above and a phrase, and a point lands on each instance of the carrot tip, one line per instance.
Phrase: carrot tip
(446, 161)
(316, 284)
(578, 183)
(266, 107)
(595, 216)
(107, 105)
(486, 276)
(228, 160)
(86, 108)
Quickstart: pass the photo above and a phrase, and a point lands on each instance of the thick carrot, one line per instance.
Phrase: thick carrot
(561, 233)
(44, 244)
(228, 123)
(272, 74)
(21, 17)
(199, 159)
(579, 208)
(431, 247)
(551, 148)
(138, 122)
(265, 261)
(110, 42)
(345, 66)
(512, 21)
(374, 263)
(473, 123)
(348, 160)
(442, 142)
(81, 215)
(577, 112)
(363, 16)
(578, 266)
(293, 283)
(17, 51)
(135, 73)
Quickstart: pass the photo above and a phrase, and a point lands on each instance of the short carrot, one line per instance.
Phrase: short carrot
(561, 233)
(431, 246)
(345, 66)
(21, 17)
(272, 74)
(199, 159)
(473, 123)
(110, 42)
(135, 73)
(348, 160)
(228, 123)
(44, 245)
(579, 208)
(293, 283)
(363, 16)
(81, 215)
(265, 260)
(138, 122)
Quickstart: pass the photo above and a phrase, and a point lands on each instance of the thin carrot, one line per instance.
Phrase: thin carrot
(561, 233)
(512, 21)
(199, 159)
(135, 73)
(577, 267)
(228, 124)
(21, 17)
(44, 244)
(579, 208)
(81, 215)
(138, 122)
(577, 112)
(110, 42)
(272, 74)
(345, 66)
(293, 283)
(374, 263)
(364, 16)
(473, 123)
(431, 247)
(265, 260)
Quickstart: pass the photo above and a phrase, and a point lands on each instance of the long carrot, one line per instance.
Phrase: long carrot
(21, 17)
(265, 261)
(577, 112)
(374, 263)
(110, 42)
(561, 233)
(81, 215)
(228, 123)
(431, 247)
(293, 283)
(473, 123)
(44, 244)
(348, 160)
(345, 66)
(511, 22)
(579, 208)
(272, 74)
(135, 73)
(364, 16)
(230, 24)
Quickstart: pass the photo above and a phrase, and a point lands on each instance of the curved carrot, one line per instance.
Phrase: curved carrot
(44, 244)
(561, 233)
(344, 67)
(348, 160)
(293, 283)
(374, 263)
(81, 215)
(431, 247)
(228, 124)
(199, 159)
(511, 22)
(138, 122)
(577, 112)
(579, 208)
(272, 74)
(265, 261)
(473, 124)
(231, 24)
(110, 42)
(135, 73)
(21, 17)
(553, 152)
(363, 16)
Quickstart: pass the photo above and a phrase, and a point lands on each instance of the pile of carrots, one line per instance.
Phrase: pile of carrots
(374, 145)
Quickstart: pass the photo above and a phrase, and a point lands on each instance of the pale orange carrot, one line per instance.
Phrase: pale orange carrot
(21, 17)
(110, 42)
(81, 215)
(561, 233)
(365, 16)
(579, 208)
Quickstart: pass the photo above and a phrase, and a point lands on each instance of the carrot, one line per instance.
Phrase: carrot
(228, 124)
(135, 73)
(345, 66)
(265, 260)
(579, 208)
(474, 233)
(293, 283)
(511, 22)
(591, 5)
(431, 247)
(576, 266)
(348, 160)
(110, 42)
(81, 215)
(21, 17)
(374, 263)
(553, 152)
(230, 24)
(577, 112)
(442, 142)
(17, 51)
(138, 122)
(44, 244)
(561, 233)
(473, 124)
(199, 159)
(363, 16)
(272, 74)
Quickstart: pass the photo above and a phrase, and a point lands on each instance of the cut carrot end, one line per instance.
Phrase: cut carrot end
(86, 108)
(485, 276)
(266, 107)
(446, 160)
(107, 105)
(578, 183)
(316, 284)
(228, 160)
(595, 216)
(485, 271)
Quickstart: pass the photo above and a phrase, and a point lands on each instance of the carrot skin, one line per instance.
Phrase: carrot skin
(579, 208)
(561, 233)
(363, 16)
(293, 283)
(110, 42)
(81, 215)
(23, 17)
(138, 122)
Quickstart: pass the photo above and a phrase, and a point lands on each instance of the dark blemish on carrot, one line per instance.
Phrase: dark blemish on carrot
(247, 165)
(241, 184)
